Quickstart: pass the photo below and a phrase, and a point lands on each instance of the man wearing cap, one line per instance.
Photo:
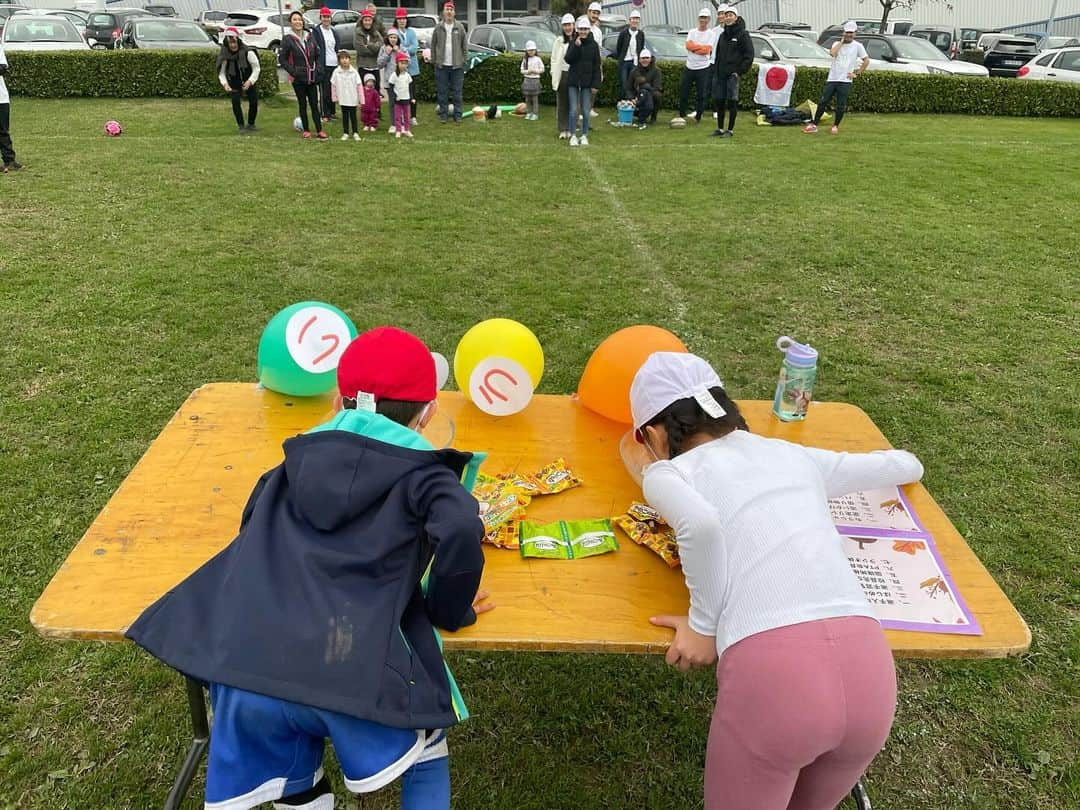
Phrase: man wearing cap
(849, 60)
(593, 13)
(448, 54)
(646, 83)
(733, 56)
(560, 69)
(7, 151)
(319, 619)
(627, 52)
(327, 44)
(700, 42)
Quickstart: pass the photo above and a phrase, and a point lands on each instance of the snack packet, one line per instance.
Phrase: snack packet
(554, 478)
(504, 536)
(567, 540)
(645, 527)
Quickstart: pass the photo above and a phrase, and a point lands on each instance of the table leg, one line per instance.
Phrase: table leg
(861, 797)
(201, 732)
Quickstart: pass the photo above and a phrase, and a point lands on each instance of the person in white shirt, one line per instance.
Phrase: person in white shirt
(345, 89)
(700, 42)
(7, 151)
(448, 51)
(806, 683)
(401, 83)
(326, 38)
(532, 68)
(850, 59)
(627, 50)
(593, 13)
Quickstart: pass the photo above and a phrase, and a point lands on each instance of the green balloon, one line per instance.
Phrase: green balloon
(300, 348)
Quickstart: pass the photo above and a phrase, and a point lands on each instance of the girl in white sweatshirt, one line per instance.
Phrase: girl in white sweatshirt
(806, 683)
(532, 68)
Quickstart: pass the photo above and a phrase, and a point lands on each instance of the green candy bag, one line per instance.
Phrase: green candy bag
(567, 539)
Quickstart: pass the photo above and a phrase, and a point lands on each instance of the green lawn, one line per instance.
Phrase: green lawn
(933, 262)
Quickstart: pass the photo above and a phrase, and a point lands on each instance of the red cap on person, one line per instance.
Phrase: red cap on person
(402, 56)
(401, 13)
(367, 12)
(386, 363)
(325, 12)
(447, 5)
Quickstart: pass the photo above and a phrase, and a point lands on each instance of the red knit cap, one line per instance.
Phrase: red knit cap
(387, 363)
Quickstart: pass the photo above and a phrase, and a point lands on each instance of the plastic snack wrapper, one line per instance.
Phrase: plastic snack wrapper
(645, 527)
(504, 536)
(567, 539)
(554, 478)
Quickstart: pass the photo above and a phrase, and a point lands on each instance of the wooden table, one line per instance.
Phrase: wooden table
(181, 504)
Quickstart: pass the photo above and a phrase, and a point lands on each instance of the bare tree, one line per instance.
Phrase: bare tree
(887, 7)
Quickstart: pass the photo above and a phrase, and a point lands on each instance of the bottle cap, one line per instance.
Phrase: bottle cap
(798, 354)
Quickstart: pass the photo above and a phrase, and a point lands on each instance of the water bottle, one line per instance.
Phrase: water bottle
(795, 388)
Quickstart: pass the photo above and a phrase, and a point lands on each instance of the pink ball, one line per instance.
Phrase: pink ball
(113, 129)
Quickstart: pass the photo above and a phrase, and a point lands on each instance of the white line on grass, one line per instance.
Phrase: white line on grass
(643, 253)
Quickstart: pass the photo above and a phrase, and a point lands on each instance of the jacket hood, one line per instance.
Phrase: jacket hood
(343, 467)
(735, 28)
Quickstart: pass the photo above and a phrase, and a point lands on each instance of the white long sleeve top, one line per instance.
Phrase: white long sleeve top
(758, 546)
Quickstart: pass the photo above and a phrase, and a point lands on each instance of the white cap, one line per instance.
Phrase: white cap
(635, 15)
(850, 27)
(567, 18)
(723, 8)
(583, 22)
(667, 377)
(704, 13)
(645, 54)
(595, 7)
(530, 45)
(369, 77)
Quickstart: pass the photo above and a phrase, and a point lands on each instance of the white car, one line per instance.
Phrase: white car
(1062, 65)
(259, 27)
(41, 32)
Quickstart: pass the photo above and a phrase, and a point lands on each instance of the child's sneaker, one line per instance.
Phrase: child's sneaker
(584, 141)
(397, 134)
(356, 136)
(322, 136)
(307, 135)
(835, 130)
(392, 130)
(811, 128)
(563, 136)
(345, 137)
(408, 133)
(414, 122)
(573, 140)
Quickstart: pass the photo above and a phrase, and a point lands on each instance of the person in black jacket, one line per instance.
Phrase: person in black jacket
(327, 42)
(318, 620)
(238, 71)
(583, 56)
(646, 84)
(627, 52)
(734, 54)
(298, 56)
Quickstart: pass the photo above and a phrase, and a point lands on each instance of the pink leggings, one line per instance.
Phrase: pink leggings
(801, 711)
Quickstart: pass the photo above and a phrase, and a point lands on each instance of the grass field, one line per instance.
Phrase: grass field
(932, 261)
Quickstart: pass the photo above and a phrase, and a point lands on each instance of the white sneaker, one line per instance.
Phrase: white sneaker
(408, 133)
(593, 113)
(573, 140)
(584, 140)
(392, 130)
(356, 136)
(414, 122)
(345, 137)
(563, 136)
(397, 134)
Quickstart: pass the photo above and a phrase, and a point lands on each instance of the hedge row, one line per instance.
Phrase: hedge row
(125, 74)
(499, 79)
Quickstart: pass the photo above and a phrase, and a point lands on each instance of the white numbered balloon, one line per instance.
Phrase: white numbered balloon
(442, 370)
(500, 386)
(316, 338)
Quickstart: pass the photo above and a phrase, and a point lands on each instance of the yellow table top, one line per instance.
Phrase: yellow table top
(181, 504)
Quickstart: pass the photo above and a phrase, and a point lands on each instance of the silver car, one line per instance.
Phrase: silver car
(1061, 65)
(780, 44)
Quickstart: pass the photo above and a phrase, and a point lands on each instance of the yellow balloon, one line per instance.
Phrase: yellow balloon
(498, 337)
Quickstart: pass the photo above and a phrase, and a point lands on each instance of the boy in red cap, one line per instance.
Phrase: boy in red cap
(319, 619)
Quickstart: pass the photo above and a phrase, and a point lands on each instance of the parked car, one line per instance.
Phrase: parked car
(943, 37)
(1062, 65)
(549, 22)
(103, 27)
(164, 34)
(161, 11)
(424, 26)
(342, 20)
(505, 38)
(41, 32)
(969, 37)
(1005, 54)
(6, 10)
(895, 25)
(802, 29)
(76, 18)
(912, 51)
(258, 27)
(1055, 43)
(788, 48)
(210, 22)
(662, 45)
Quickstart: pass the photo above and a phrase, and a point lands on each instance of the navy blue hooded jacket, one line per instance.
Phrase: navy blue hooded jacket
(318, 600)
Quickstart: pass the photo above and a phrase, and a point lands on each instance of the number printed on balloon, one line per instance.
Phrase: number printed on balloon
(316, 338)
(500, 386)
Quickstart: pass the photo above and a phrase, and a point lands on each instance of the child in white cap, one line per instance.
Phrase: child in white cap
(806, 683)
(583, 56)
(849, 60)
(532, 68)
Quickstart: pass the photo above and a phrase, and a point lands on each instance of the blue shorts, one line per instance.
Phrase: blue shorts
(263, 748)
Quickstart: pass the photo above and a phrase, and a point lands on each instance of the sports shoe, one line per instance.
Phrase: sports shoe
(563, 136)
(392, 130)
(322, 136)
(397, 134)
(408, 133)
(642, 126)
(717, 133)
(573, 140)
(584, 140)
(356, 136)
(345, 137)
(307, 135)
(325, 118)
(593, 113)
(727, 133)
(811, 128)
(835, 130)
(414, 122)
(243, 130)
(252, 128)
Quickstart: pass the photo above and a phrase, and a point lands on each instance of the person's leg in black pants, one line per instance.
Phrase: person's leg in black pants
(843, 90)
(656, 98)
(826, 96)
(7, 151)
(325, 92)
(349, 115)
(253, 106)
(732, 95)
(684, 91)
(313, 100)
(237, 108)
(644, 107)
(701, 83)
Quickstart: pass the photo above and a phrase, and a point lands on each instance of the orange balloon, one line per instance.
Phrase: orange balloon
(605, 383)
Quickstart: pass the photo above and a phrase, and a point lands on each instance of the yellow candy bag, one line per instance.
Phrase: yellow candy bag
(644, 526)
